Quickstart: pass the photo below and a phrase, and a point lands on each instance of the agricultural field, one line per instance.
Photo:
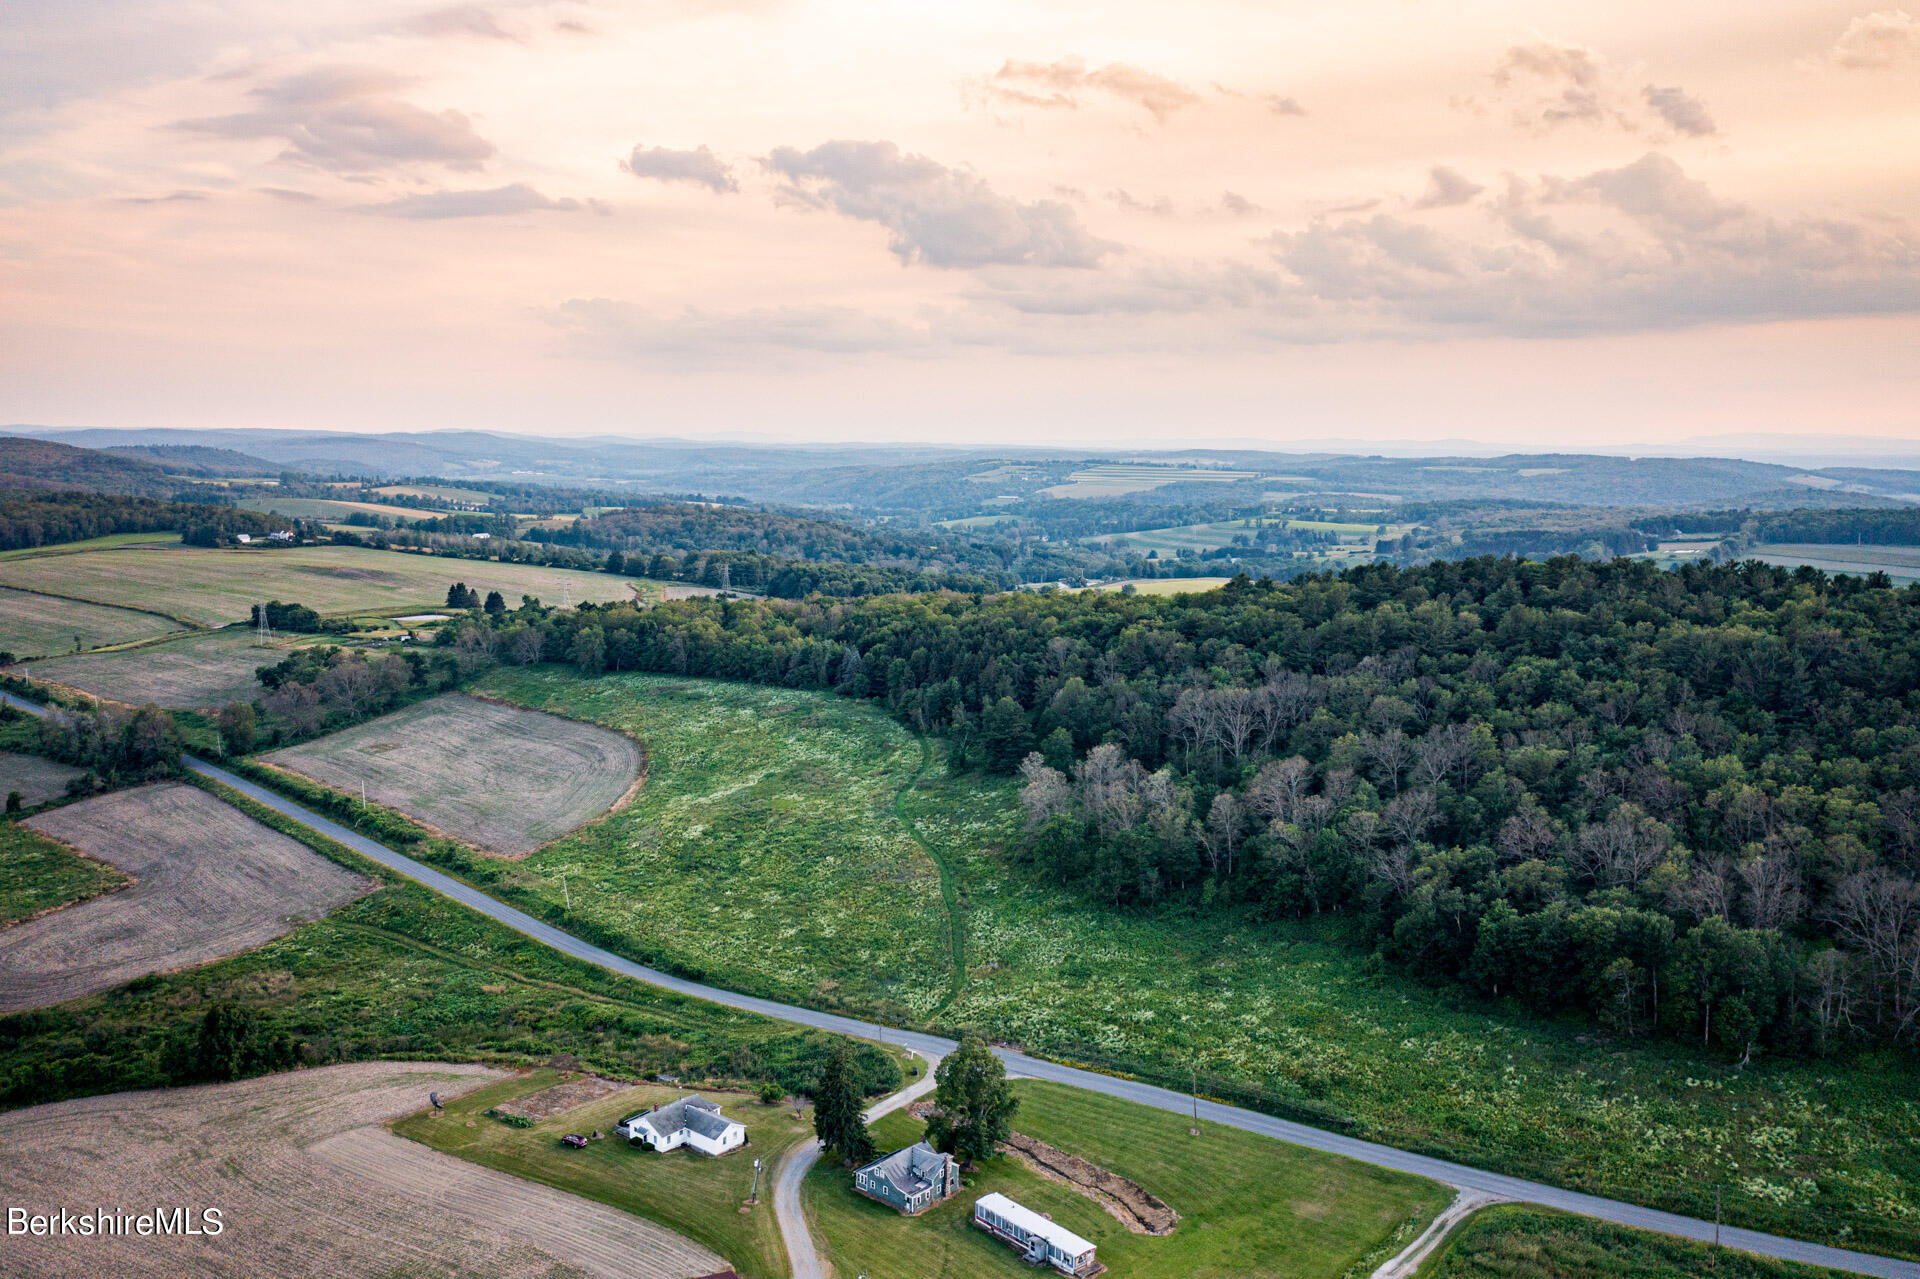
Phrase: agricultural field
(208, 882)
(1120, 479)
(328, 509)
(309, 1183)
(1901, 563)
(38, 874)
(36, 778)
(1249, 1207)
(198, 670)
(440, 491)
(1163, 585)
(106, 543)
(763, 852)
(754, 792)
(211, 587)
(33, 625)
(1207, 537)
(1511, 1241)
(973, 523)
(504, 779)
(686, 1192)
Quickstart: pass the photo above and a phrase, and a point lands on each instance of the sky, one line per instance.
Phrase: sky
(1544, 225)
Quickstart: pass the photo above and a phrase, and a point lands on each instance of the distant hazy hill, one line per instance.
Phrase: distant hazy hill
(42, 464)
(196, 459)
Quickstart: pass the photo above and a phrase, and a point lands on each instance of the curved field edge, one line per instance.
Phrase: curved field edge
(1816, 1150)
(1514, 1241)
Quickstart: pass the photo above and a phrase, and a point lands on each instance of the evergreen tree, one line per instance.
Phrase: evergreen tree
(976, 1103)
(836, 1109)
(1004, 735)
(496, 603)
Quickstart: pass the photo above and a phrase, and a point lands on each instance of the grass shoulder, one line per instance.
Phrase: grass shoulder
(1512, 1241)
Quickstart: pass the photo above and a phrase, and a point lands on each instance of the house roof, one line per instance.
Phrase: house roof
(912, 1169)
(1033, 1223)
(695, 1114)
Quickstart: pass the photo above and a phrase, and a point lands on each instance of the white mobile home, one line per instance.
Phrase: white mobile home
(691, 1121)
(1036, 1238)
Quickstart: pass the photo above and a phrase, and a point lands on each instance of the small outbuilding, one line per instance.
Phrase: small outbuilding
(1037, 1239)
(910, 1180)
(691, 1121)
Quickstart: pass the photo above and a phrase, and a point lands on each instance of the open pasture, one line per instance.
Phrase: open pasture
(208, 882)
(1250, 1208)
(309, 1183)
(1901, 563)
(1119, 479)
(37, 778)
(199, 670)
(1163, 585)
(684, 1191)
(38, 874)
(327, 509)
(505, 779)
(34, 625)
(1207, 537)
(213, 587)
(106, 543)
(441, 491)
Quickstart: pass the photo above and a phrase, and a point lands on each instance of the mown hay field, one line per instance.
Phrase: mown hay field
(208, 882)
(505, 779)
(763, 851)
(755, 817)
(37, 778)
(1249, 1207)
(33, 625)
(39, 874)
(197, 670)
(308, 1182)
(687, 1192)
(211, 587)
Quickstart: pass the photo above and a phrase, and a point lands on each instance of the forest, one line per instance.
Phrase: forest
(1682, 803)
(29, 518)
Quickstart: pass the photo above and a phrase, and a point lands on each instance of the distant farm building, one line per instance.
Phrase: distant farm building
(691, 1121)
(1036, 1238)
(910, 1180)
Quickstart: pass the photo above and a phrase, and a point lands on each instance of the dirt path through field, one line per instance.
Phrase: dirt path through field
(308, 1183)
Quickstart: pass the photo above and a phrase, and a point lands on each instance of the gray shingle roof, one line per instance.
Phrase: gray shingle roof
(912, 1169)
(696, 1114)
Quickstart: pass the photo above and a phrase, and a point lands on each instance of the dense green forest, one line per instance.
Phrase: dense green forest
(30, 518)
(1680, 803)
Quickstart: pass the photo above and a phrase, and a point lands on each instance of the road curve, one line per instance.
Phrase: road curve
(935, 1046)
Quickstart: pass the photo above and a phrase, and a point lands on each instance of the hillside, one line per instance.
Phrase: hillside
(43, 464)
(195, 459)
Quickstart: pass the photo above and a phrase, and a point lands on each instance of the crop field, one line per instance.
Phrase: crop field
(106, 543)
(203, 669)
(746, 808)
(1120, 479)
(1901, 563)
(440, 491)
(35, 625)
(208, 882)
(309, 1183)
(1207, 537)
(1248, 1206)
(38, 874)
(1164, 585)
(686, 1192)
(505, 779)
(330, 509)
(37, 778)
(764, 850)
(1510, 1241)
(213, 587)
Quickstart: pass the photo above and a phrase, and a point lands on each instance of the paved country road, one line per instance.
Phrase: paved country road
(934, 1046)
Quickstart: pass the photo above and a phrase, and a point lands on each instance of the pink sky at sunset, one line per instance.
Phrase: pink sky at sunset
(1543, 225)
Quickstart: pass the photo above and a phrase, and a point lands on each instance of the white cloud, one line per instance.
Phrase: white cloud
(1067, 83)
(350, 120)
(1877, 41)
(1447, 188)
(699, 166)
(1680, 109)
(495, 202)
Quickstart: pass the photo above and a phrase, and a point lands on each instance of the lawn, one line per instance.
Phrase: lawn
(775, 861)
(34, 625)
(1248, 1206)
(212, 587)
(37, 874)
(202, 669)
(1510, 1241)
(685, 1191)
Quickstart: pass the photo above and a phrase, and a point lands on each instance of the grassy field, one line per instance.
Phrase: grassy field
(37, 874)
(1207, 537)
(1163, 585)
(106, 543)
(769, 824)
(1509, 1241)
(327, 509)
(1901, 563)
(213, 587)
(440, 491)
(203, 669)
(37, 778)
(36, 625)
(505, 779)
(1119, 479)
(1248, 1206)
(683, 1190)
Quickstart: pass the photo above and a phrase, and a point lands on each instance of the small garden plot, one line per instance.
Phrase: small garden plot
(34, 625)
(696, 1196)
(561, 1098)
(209, 882)
(36, 778)
(192, 672)
(504, 779)
(308, 1183)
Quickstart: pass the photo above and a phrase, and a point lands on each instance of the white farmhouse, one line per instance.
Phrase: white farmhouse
(691, 1121)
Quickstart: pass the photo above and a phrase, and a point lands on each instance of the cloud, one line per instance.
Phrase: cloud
(1280, 104)
(460, 20)
(1447, 188)
(1684, 112)
(940, 216)
(1159, 207)
(1877, 41)
(605, 328)
(1067, 83)
(699, 166)
(178, 197)
(1567, 78)
(1238, 205)
(349, 120)
(496, 202)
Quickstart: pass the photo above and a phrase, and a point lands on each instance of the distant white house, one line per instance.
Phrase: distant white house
(243, 537)
(481, 537)
(279, 535)
(691, 1121)
(1038, 1240)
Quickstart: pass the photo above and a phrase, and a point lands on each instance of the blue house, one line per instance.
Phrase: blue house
(910, 1180)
